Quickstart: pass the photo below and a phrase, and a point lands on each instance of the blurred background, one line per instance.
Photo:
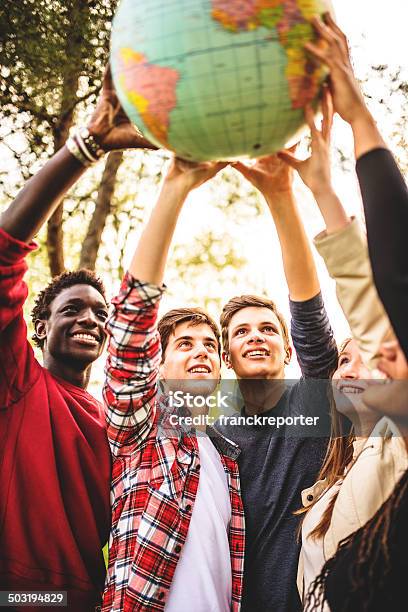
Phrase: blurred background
(52, 58)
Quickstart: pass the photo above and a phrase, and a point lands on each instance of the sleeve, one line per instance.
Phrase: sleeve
(313, 339)
(132, 367)
(16, 353)
(385, 199)
(346, 257)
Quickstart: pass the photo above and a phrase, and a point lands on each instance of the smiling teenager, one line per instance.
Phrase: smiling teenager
(177, 539)
(54, 454)
(361, 469)
(276, 465)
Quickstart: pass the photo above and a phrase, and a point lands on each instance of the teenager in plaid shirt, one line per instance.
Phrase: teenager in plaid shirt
(177, 539)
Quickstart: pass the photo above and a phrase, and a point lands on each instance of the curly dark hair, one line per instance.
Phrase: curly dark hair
(375, 548)
(41, 308)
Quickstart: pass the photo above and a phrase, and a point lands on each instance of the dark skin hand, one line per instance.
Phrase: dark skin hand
(42, 194)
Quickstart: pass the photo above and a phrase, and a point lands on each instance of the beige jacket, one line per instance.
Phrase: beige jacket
(378, 464)
(345, 254)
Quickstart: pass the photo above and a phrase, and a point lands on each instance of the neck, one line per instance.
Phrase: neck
(75, 376)
(363, 424)
(260, 395)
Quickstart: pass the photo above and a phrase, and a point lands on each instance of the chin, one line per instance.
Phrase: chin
(203, 386)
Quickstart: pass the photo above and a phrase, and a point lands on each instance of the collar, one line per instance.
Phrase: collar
(223, 445)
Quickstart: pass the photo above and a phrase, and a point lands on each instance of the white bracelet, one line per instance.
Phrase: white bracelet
(74, 149)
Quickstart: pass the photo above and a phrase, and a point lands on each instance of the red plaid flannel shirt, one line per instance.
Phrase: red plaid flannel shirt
(155, 477)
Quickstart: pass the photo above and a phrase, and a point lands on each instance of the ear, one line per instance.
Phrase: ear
(162, 371)
(226, 359)
(40, 327)
(288, 357)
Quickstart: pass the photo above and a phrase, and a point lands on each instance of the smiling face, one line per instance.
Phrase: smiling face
(192, 356)
(350, 380)
(256, 347)
(74, 332)
(391, 399)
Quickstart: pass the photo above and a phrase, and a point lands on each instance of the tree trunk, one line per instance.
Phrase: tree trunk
(103, 207)
(55, 236)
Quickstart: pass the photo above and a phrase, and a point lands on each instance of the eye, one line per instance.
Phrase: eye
(184, 344)
(70, 309)
(240, 331)
(269, 329)
(211, 346)
(102, 314)
(343, 360)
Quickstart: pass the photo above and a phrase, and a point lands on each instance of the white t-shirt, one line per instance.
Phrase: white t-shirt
(203, 581)
(312, 548)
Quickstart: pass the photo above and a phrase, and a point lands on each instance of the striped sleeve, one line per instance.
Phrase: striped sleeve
(132, 367)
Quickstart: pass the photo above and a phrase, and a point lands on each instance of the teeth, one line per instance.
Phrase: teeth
(354, 390)
(85, 337)
(199, 370)
(256, 354)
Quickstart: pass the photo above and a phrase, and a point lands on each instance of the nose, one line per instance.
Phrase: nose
(88, 318)
(349, 371)
(256, 336)
(201, 351)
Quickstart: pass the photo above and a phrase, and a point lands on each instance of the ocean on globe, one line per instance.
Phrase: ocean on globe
(216, 79)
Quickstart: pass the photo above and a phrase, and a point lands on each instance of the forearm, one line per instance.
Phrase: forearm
(298, 262)
(366, 134)
(132, 367)
(149, 261)
(385, 198)
(333, 213)
(41, 196)
(346, 257)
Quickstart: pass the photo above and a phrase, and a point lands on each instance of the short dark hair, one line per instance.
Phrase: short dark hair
(43, 300)
(246, 301)
(195, 316)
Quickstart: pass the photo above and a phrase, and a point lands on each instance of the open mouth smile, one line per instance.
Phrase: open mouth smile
(256, 353)
(348, 389)
(86, 338)
(201, 369)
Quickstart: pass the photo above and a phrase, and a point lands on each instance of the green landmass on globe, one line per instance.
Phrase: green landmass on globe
(216, 79)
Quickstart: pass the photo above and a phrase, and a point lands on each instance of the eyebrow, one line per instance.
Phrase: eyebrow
(271, 323)
(206, 339)
(80, 302)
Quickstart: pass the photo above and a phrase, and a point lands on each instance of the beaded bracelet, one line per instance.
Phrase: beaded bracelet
(84, 148)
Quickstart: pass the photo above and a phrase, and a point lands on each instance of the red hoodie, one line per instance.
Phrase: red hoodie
(54, 462)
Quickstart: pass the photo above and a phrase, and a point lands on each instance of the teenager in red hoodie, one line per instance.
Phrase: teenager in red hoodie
(54, 456)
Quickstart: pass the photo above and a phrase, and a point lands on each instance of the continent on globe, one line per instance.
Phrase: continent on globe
(290, 18)
(151, 89)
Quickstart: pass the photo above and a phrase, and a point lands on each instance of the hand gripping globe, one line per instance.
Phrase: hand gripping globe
(216, 79)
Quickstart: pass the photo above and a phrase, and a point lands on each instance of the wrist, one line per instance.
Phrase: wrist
(362, 118)
(333, 213)
(175, 188)
(278, 198)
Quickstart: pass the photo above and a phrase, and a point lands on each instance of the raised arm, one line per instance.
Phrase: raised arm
(310, 328)
(383, 188)
(343, 245)
(273, 178)
(42, 194)
(134, 352)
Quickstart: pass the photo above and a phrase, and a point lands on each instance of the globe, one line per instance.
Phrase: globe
(216, 79)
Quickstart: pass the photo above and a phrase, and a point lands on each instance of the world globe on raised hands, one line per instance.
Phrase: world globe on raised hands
(216, 79)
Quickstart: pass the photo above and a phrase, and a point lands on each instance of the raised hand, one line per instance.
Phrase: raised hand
(268, 174)
(347, 97)
(110, 125)
(315, 171)
(190, 175)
